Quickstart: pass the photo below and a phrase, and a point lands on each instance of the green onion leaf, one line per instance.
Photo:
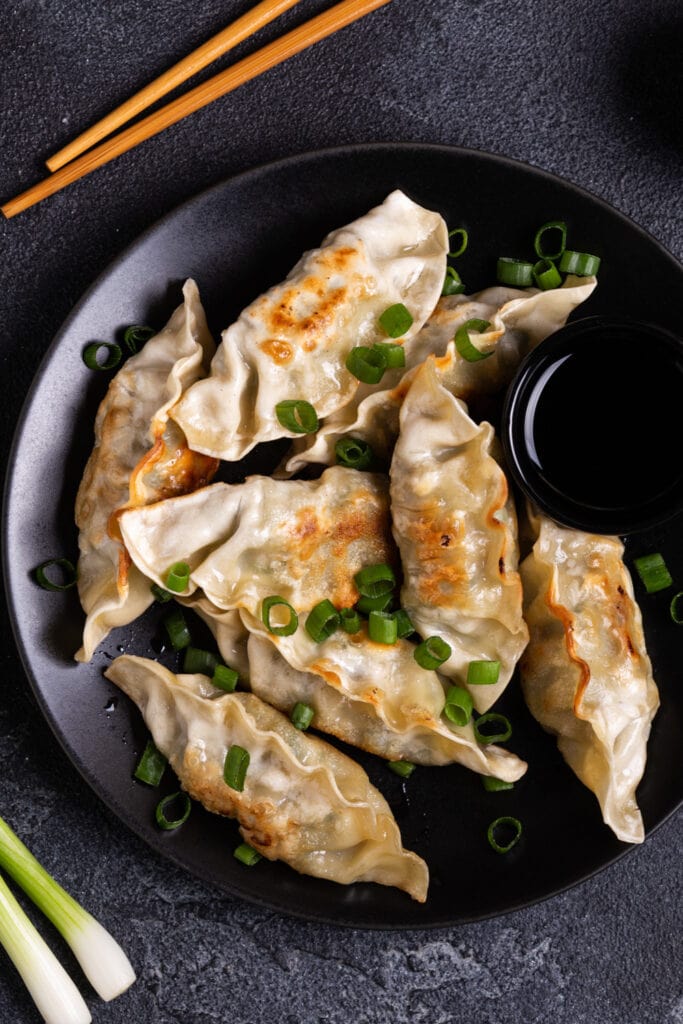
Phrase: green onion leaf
(452, 283)
(66, 569)
(483, 673)
(322, 621)
(285, 628)
(396, 320)
(178, 577)
(494, 785)
(177, 629)
(367, 364)
(183, 804)
(151, 765)
(382, 628)
(403, 768)
(247, 854)
(235, 767)
(583, 264)
(653, 572)
(197, 661)
(136, 335)
(404, 626)
(353, 452)
(458, 248)
(395, 355)
(225, 678)
(458, 706)
(463, 342)
(515, 273)
(383, 603)
(92, 355)
(349, 620)
(296, 415)
(495, 720)
(553, 227)
(302, 715)
(161, 595)
(375, 580)
(546, 275)
(503, 833)
(432, 652)
(676, 608)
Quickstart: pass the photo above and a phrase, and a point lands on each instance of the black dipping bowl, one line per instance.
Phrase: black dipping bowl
(591, 425)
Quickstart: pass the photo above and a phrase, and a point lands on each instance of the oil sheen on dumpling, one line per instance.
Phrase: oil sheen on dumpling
(455, 526)
(292, 342)
(138, 457)
(586, 674)
(519, 320)
(303, 801)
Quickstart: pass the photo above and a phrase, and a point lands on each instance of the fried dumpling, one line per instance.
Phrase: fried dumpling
(586, 675)
(138, 457)
(292, 342)
(303, 801)
(455, 525)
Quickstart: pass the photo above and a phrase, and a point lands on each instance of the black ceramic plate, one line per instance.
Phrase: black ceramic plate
(235, 240)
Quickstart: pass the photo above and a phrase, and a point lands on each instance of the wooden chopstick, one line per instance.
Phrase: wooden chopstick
(269, 56)
(215, 47)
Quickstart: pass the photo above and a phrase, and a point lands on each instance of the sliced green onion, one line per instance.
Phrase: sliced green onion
(353, 452)
(483, 673)
(508, 826)
(151, 766)
(286, 628)
(499, 722)
(432, 652)
(395, 354)
(458, 706)
(197, 661)
(452, 283)
(103, 961)
(235, 767)
(676, 608)
(177, 629)
(178, 577)
(322, 621)
(383, 603)
(552, 227)
(136, 335)
(494, 785)
(302, 715)
(515, 273)
(404, 626)
(546, 275)
(67, 571)
(349, 620)
(92, 355)
(463, 342)
(367, 364)
(460, 233)
(183, 804)
(247, 854)
(225, 678)
(375, 580)
(653, 572)
(298, 416)
(583, 264)
(382, 628)
(161, 595)
(403, 768)
(396, 320)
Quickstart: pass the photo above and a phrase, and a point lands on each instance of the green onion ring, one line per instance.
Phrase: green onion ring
(67, 568)
(552, 225)
(676, 608)
(235, 767)
(92, 351)
(505, 822)
(404, 626)
(396, 320)
(493, 785)
(583, 264)
(483, 673)
(160, 812)
(382, 628)
(225, 678)
(353, 452)
(515, 273)
(458, 706)
(178, 577)
(653, 572)
(452, 283)
(274, 602)
(135, 336)
(403, 768)
(367, 364)
(546, 275)
(161, 595)
(365, 605)
(463, 342)
(498, 737)
(177, 629)
(302, 715)
(199, 662)
(432, 652)
(375, 580)
(349, 620)
(395, 355)
(462, 233)
(246, 854)
(297, 415)
(151, 766)
(322, 621)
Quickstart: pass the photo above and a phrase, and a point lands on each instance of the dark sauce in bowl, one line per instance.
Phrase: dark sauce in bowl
(591, 425)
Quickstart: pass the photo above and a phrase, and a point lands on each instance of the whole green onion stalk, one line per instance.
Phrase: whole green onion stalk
(103, 961)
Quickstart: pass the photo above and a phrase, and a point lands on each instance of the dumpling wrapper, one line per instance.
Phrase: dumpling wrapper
(519, 319)
(586, 675)
(455, 525)
(303, 802)
(138, 457)
(292, 342)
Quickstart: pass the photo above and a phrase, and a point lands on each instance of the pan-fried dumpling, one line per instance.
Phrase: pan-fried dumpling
(138, 457)
(292, 342)
(519, 319)
(455, 525)
(586, 674)
(303, 801)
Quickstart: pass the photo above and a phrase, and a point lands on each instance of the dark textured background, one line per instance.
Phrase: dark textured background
(592, 92)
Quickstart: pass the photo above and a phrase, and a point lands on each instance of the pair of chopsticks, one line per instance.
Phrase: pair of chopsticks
(83, 155)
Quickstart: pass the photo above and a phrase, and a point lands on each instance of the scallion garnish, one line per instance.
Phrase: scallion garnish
(493, 785)
(452, 283)
(483, 673)
(403, 768)
(235, 767)
(463, 342)
(553, 227)
(382, 628)
(375, 580)
(349, 620)
(247, 854)
(495, 720)
(151, 766)
(225, 678)
(183, 805)
(285, 628)
(432, 652)
(92, 355)
(353, 452)
(66, 569)
(302, 715)
(510, 828)
(404, 626)
(297, 415)
(395, 354)
(458, 706)
(583, 264)
(136, 335)
(676, 608)
(177, 629)
(396, 320)
(178, 577)
(161, 595)
(198, 661)
(515, 273)
(322, 621)
(653, 571)
(367, 364)
(383, 603)
(458, 249)
(546, 275)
